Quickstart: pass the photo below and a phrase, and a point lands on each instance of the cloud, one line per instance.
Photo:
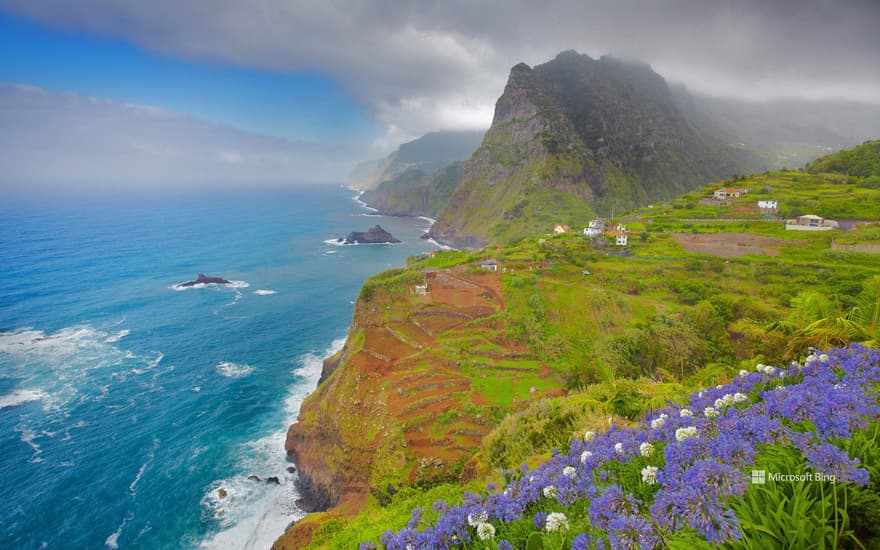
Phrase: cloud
(59, 138)
(431, 65)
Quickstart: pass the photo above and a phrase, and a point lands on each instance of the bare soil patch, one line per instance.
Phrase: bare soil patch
(732, 245)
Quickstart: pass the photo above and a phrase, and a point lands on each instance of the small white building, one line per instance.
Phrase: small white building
(561, 228)
(595, 228)
(620, 238)
(810, 222)
(421, 290)
(729, 192)
(768, 205)
(489, 266)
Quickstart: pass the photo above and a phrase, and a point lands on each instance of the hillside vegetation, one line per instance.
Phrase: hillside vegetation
(442, 393)
(863, 161)
(414, 192)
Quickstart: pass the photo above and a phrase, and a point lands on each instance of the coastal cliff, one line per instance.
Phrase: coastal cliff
(415, 193)
(372, 425)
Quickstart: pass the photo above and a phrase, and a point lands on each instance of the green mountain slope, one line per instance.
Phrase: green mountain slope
(577, 135)
(415, 193)
(426, 154)
(863, 161)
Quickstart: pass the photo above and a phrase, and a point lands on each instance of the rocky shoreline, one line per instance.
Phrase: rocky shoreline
(314, 496)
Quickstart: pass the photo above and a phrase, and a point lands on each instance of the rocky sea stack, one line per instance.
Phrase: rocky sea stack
(375, 235)
(205, 280)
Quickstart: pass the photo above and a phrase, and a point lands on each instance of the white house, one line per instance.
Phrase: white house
(561, 228)
(768, 205)
(620, 238)
(595, 228)
(810, 222)
(489, 266)
(729, 192)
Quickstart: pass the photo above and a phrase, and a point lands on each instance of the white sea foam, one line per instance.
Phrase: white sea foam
(117, 337)
(253, 514)
(113, 540)
(132, 488)
(440, 246)
(235, 299)
(28, 436)
(264, 292)
(19, 397)
(357, 199)
(57, 364)
(230, 284)
(234, 370)
(339, 242)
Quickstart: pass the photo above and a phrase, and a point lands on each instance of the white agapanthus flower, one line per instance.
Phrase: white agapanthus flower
(585, 455)
(556, 521)
(710, 412)
(646, 449)
(658, 422)
(476, 519)
(618, 448)
(685, 412)
(740, 397)
(589, 436)
(823, 358)
(549, 491)
(649, 475)
(743, 373)
(485, 531)
(686, 433)
(568, 471)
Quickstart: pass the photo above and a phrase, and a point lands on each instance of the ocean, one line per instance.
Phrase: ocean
(126, 403)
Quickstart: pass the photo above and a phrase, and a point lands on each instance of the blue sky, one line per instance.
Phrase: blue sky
(297, 105)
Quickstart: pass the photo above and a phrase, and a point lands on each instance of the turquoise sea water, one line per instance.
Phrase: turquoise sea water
(125, 405)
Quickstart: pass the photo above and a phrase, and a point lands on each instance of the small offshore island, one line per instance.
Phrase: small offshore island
(374, 235)
(203, 279)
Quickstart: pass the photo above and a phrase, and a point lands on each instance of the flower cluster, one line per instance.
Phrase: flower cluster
(691, 465)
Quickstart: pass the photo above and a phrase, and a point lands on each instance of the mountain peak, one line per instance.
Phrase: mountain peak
(581, 135)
